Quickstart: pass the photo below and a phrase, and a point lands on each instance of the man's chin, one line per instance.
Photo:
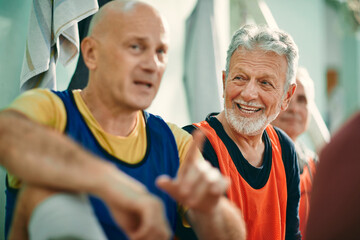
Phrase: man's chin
(142, 104)
(252, 132)
(245, 126)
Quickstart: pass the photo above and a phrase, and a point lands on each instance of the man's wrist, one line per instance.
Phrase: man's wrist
(114, 184)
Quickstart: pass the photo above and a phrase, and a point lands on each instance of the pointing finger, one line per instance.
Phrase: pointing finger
(192, 154)
(168, 185)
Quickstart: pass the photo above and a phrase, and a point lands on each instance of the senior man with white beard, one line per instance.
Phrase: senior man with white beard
(258, 83)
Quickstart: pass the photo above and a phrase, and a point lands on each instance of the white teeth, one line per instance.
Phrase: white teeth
(247, 109)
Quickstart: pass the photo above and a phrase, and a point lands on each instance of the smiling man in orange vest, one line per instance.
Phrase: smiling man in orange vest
(258, 83)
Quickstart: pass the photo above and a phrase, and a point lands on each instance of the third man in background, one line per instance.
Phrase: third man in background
(295, 121)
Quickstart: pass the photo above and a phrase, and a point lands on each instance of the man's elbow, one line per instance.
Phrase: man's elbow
(11, 130)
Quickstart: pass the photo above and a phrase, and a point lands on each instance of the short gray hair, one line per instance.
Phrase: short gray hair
(253, 36)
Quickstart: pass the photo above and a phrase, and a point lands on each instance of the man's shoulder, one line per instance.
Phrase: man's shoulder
(210, 121)
(41, 106)
(189, 128)
(176, 130)
(284, 139)
(36, 93)
(288, 150)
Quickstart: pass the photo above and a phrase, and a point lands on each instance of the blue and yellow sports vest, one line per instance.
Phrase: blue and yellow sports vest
(161, 158)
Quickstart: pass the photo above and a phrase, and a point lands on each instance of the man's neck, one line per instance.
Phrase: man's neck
(115, 121)
(251, 147)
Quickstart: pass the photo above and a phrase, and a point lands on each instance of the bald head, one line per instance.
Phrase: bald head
(119, 8)
(126, 53)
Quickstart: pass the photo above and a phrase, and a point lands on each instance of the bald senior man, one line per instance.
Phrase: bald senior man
(92, 164)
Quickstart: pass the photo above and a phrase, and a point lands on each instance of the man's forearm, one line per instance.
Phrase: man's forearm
(225, 222)
(44, 157)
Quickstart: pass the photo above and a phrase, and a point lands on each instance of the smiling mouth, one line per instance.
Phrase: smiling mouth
(247, 109)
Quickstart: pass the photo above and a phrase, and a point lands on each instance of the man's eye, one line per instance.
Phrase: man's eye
(161, 51)
(302, 99)
(266, 83)
(135, 47)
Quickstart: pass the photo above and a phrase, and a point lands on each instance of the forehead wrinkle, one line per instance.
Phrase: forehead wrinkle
(239, 67)
(258, 57)
(261, 75)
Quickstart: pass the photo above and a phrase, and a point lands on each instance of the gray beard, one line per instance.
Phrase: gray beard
(248, 126)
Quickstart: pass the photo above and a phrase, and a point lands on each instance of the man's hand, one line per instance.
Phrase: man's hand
(143, 218)
(201, 187)
(198, 185)
(139, 213)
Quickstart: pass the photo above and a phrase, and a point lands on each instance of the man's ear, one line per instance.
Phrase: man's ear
(88, 50)
(289, 94)
(224, 81)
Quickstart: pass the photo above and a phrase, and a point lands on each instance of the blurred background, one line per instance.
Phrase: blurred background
(326, 32)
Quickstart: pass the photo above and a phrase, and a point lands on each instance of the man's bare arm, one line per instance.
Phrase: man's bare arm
(43, 157)
(201, 188)
(224, 222)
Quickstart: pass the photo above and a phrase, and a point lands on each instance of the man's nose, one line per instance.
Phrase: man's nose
(150, 62)
(250, 91)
